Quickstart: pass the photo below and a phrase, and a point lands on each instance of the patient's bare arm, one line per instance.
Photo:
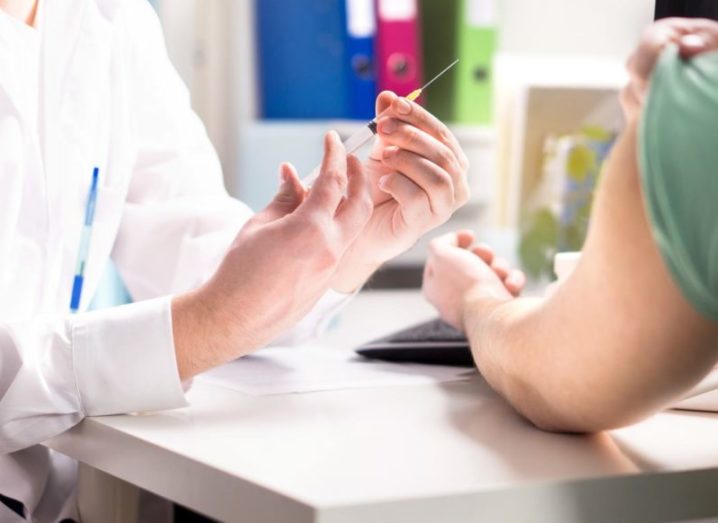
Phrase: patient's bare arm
(616, 341)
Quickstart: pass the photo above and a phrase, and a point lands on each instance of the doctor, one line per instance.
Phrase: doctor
(87, 83)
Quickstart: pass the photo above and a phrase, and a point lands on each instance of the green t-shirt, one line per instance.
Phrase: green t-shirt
(678, 154)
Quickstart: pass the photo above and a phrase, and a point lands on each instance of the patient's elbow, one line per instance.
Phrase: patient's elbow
(575, 417)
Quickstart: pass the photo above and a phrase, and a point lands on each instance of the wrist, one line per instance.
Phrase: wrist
(353, 272)
(479, 303)
(202, 338)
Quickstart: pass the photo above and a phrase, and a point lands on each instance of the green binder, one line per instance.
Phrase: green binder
(464, 29)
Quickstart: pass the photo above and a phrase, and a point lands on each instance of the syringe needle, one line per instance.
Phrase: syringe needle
(415, 94)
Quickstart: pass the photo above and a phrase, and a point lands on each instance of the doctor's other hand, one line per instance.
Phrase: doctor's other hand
(418, 176)
(278, 266)
(693, 36)
(457, 270)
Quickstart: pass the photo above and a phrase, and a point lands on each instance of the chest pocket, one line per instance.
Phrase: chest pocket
(108, 216)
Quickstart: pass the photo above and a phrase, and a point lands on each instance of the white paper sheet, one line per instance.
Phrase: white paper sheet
(283, 370)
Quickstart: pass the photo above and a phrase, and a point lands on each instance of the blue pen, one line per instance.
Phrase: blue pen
(84, 244)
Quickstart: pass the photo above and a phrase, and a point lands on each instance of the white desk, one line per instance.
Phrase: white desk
(452, 453)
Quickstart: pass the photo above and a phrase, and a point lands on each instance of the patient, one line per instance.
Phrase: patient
(636, 324)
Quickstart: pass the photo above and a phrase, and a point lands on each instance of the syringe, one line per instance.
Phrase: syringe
(366, 133)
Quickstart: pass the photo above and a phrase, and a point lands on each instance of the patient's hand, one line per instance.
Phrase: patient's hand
(693, 36)
(456, 270)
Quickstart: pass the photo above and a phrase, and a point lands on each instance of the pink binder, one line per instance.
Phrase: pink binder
(398, 46)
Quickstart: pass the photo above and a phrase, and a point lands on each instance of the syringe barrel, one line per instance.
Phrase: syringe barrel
(351, 144)
(360, 137)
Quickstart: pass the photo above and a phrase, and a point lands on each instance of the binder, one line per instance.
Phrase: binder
(361, 59)
(464, 29)
(476, 46)
(398, 47)
(440, 23)
(301, 58)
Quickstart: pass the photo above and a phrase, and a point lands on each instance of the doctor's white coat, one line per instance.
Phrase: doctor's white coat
(92, 86)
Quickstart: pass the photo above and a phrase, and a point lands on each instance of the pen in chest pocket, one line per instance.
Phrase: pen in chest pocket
(85, 239)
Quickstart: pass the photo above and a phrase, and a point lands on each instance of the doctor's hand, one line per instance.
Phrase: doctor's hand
(277, 268)
(693, 36)
(457, 270)
(418, 176)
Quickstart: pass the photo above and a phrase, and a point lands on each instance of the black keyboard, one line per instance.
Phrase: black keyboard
(435, 330)
(434, 342)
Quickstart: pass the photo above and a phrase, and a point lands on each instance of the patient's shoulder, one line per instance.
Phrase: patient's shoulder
(678, 154)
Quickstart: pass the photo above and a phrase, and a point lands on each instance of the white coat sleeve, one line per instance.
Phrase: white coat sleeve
(178, 219)
(55, 371)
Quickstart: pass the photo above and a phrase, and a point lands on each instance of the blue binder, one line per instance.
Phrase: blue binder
(361, 59)
(301, 57)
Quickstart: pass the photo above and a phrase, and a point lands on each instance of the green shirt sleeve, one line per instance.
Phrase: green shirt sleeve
(678, 156)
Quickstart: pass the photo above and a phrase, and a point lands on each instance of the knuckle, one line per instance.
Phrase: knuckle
(447, 160)
(444, 133)
(443, 182)
(412, 135)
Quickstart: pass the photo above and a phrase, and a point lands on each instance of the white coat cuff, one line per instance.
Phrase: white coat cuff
(124, 359)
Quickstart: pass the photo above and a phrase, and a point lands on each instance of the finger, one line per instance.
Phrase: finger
(515, 282)
(289, 173)
(429, 177)
(410, 138)
(384, 101)
(414, 206)
(463, 239)
(290, 195)
(330, 187)
(355, 211)
(501, 267)
(485, 252)
(414, 114)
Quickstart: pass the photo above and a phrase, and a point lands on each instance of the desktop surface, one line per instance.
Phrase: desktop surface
(450, 452)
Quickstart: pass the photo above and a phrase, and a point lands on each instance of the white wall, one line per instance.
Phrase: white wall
(573, 27)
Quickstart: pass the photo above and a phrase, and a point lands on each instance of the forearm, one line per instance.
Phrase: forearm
(557, 369)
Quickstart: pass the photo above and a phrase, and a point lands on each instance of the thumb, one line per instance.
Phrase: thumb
(290, 195)
(384, 101)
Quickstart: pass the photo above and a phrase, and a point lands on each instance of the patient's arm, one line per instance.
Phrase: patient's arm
(616, 341)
